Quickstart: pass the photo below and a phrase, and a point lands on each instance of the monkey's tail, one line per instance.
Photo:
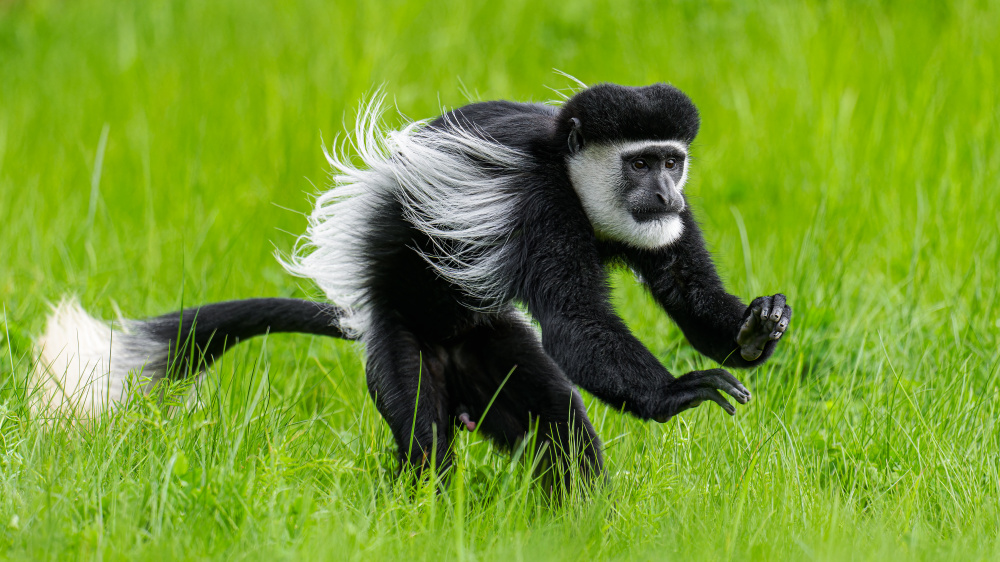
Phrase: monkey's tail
(85, 365)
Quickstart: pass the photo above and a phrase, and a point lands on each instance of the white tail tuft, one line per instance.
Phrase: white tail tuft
(84, 364)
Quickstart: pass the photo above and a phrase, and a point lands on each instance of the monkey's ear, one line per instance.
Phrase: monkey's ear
(575, 136)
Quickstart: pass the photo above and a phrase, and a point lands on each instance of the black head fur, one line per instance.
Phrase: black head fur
(609, 112)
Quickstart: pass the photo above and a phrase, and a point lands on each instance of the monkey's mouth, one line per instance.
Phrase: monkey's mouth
(650, 215)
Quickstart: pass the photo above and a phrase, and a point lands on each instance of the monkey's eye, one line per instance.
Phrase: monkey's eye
(639, 164)
(670, 163)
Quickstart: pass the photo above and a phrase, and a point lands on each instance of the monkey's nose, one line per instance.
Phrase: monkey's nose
(665, 201)
(669, 201)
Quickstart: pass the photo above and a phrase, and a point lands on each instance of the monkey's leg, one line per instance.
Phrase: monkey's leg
(406, 381)
(536, 392)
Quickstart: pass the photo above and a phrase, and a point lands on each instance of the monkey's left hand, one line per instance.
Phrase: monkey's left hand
(695, 387)
(766, 320)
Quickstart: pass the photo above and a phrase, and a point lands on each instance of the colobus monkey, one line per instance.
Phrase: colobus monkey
(426, 249)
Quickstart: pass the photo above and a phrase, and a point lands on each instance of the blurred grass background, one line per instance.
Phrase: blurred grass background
(156, 154)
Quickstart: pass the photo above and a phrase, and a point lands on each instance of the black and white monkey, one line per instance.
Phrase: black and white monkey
(424, 250)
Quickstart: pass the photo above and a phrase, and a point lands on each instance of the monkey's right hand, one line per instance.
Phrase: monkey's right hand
(695, 387)
(765, 321)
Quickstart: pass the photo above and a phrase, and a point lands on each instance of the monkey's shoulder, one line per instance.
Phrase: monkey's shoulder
(515, 124)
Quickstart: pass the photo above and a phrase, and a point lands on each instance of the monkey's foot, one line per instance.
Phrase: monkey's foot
(695, 387)
(767, 319)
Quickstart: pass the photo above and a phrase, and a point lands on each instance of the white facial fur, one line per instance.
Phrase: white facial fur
(596, 175)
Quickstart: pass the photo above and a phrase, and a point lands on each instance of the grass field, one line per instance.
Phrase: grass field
(156, 154)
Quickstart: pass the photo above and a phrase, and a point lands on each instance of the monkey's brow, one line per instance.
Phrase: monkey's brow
(658, 151)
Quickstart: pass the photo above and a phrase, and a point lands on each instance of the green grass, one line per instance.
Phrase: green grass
(848, 157)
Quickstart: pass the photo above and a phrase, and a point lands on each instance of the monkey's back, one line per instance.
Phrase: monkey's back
(426, 228)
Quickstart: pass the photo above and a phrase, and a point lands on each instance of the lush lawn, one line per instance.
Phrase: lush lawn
(155, 154)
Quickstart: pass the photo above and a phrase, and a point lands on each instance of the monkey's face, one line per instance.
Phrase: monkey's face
(652, 179)
(632, 192)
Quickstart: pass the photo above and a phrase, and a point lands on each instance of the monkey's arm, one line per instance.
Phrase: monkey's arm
(565, 286)
(683, 279)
